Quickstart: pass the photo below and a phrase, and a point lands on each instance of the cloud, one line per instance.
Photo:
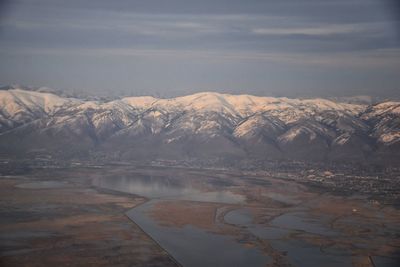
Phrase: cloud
(263, 33)
(355, 35)
(380, 58)
(314, 31)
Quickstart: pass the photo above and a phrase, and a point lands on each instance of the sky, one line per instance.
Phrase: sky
(294, 48)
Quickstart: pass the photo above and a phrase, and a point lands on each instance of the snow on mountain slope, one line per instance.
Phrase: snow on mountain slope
(15, 101)
(385, 119)
(243, 105)
(239, 105)
(259, 126)
(20, 106)
(385, 108)
(141, 102)
(270, 126)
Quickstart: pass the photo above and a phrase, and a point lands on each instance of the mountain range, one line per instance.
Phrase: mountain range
(200, 126)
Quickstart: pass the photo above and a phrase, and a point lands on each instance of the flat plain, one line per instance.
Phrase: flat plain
(163, 216)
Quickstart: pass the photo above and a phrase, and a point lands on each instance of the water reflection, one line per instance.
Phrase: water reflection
(303, 222)
(194, 247)
(189, 245)
(167, 188)
(303, 254)
(299, 252)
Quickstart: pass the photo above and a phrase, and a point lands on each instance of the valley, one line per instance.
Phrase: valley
(145, 215)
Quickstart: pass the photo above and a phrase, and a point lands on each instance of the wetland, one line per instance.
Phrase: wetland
(164, 216)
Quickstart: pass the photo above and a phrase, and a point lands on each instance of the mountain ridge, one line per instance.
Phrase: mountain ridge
(202, 125)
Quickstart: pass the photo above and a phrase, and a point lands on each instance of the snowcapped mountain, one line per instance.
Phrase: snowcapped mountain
(202, 125)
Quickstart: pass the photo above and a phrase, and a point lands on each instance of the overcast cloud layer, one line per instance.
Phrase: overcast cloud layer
(166, 48)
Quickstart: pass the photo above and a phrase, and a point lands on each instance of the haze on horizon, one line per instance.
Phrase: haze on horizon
(167, 48)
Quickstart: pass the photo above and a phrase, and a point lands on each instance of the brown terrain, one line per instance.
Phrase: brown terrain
(181, 213)
(70, 224)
